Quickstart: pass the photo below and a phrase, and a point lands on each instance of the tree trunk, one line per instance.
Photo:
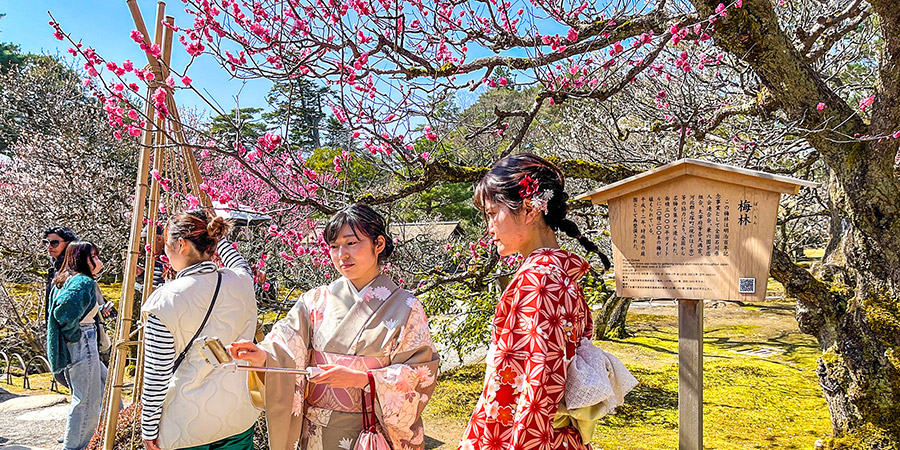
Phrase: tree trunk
(835, 228)
(610, 321)
(858, 369)
(854, 309)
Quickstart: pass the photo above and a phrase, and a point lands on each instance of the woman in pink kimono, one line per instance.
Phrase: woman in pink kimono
(541, 316)
(361, 324)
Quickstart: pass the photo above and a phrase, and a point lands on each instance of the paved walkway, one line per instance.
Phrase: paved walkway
(32, 422)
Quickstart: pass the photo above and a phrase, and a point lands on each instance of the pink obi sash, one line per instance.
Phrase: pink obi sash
(345, 400)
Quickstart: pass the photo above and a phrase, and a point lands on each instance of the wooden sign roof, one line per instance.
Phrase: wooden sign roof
(698, 168)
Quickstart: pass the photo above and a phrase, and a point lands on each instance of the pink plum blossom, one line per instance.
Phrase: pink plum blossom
(866, 102)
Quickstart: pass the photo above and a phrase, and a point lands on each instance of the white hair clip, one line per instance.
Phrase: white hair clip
(540, 201)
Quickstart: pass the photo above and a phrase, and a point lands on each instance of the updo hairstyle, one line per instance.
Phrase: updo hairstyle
(199, 226)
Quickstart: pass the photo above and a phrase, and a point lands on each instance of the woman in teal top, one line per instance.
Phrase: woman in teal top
(72, 340)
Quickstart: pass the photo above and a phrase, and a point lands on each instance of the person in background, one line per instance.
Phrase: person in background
(187, 403)
(158, 265)
(56, 239)
(73, 339)
(266, 288)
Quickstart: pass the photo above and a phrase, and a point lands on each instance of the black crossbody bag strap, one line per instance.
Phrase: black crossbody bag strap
(203, 324)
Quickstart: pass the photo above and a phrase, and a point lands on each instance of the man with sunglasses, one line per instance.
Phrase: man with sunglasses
(56, 239)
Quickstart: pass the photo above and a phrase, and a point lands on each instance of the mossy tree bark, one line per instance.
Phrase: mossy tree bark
(851, 305)
(610, 320)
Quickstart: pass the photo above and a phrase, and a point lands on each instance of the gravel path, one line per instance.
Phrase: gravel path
(31, 421)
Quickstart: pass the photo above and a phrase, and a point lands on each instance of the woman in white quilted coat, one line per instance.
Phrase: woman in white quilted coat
(186, 402)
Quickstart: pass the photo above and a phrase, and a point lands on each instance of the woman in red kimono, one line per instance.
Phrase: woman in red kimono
(541, 316)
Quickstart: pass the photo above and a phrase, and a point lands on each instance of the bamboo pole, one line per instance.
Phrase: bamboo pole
(157, 38)
(150, 258)
(187, 154)
(190, 161)
(167, 38)
(155, 192)
(123, 324)
(156, 139)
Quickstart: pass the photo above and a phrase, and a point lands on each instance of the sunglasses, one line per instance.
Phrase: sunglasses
(52, 244)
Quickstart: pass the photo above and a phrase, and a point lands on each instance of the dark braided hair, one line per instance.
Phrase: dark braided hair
(502, 185)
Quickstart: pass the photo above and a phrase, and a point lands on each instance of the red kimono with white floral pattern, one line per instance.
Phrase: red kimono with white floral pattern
(540, 319)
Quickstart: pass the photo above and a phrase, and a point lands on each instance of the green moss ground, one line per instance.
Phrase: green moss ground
(814, 253)
(23, 289)
(40, 384)
(749, 402)
(112, 292)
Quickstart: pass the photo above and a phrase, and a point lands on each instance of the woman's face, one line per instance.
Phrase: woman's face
(355, 256)
(507, 228)
(95, 263)
(55, 245)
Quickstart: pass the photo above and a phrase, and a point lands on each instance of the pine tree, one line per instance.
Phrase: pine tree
(297, 111)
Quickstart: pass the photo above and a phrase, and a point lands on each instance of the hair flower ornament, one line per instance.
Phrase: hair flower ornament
(530, 190)
(528, 187)
(540, 201)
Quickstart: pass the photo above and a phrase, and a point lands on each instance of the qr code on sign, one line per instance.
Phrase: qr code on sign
(747, 286)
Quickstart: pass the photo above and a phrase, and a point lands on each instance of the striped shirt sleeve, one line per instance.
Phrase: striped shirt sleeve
(159, 358)
(232, 259)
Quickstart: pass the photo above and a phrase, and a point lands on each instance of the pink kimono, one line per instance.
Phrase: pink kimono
(382, 329)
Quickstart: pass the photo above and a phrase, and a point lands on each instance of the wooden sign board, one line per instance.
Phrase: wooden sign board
(694, 230)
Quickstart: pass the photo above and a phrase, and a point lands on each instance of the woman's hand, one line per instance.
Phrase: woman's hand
(341, 377)
(247, 351)
(107, 309)
(151, 445)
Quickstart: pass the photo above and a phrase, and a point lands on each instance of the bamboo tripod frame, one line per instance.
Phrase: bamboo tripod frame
(154, 140)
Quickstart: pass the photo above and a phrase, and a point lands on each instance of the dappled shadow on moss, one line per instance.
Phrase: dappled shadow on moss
(655, 348)
(457, 392)
(464, 374)
(431, 443)
(771, 307)
(649, 402)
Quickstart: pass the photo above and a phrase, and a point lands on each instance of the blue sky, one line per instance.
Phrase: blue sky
(105, 25)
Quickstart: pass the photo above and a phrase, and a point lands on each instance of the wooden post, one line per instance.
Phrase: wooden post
(690, 374)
